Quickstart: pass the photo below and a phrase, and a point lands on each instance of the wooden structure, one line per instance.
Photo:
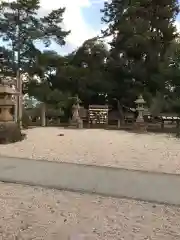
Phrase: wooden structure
(98, 115)
(169, 118)
(52, 116)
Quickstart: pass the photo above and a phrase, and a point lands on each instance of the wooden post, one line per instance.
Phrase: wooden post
(43, 115)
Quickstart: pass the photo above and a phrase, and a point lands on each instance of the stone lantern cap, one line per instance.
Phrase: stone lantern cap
(6, 93)
(140, 100)
(6, 90)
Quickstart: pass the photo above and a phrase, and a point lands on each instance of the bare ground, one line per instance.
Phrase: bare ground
(36, 213)
(152, 152)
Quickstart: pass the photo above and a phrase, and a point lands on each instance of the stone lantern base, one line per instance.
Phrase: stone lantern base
(10, 132)
(76, 123)
(140, 127)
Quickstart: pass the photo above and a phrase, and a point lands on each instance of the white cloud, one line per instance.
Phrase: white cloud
(73, 19)
(177, 23)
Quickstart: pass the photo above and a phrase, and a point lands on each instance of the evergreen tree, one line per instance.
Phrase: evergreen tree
(21, 26)
(83, 72)
(143, 31)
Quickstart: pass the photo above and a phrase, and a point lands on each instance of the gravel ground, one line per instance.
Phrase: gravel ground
(40, 214)
(153, 152)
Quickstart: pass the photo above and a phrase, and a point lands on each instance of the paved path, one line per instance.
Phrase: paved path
(155, 187)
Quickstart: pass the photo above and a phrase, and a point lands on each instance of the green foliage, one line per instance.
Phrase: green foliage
(89, 63)
(144, 57)
(143, 32)
(175, 105)
(51, 29)
(21, 26)
(6, 63)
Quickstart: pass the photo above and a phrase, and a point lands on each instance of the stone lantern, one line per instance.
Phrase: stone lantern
(76, 118)
(6, 104)
(140, 107)
(9, 130)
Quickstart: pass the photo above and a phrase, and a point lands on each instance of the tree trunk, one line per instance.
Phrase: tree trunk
(19, 77)
(121, 113)
(43, 115)
(119, 123)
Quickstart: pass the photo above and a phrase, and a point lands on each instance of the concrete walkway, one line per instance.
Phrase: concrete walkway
(154, 187)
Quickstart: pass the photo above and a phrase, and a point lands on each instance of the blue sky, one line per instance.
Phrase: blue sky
(82, 17)
(92, 14)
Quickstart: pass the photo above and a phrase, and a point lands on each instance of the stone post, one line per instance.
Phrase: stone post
(43, 114)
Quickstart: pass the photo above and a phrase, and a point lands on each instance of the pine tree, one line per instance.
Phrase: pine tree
(143, 31)
(21, 26)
